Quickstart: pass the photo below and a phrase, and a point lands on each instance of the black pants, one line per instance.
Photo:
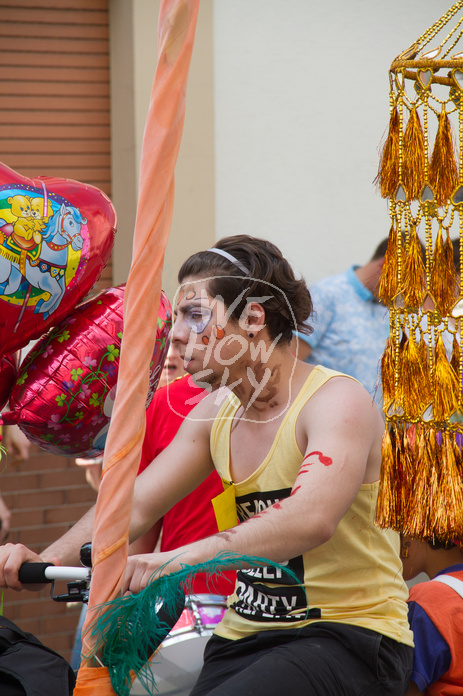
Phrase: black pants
(323, 659)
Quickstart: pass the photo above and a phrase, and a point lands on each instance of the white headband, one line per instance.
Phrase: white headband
(230, 258)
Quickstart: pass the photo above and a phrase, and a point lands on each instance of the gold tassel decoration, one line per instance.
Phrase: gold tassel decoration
(414, 278)
(423, 352)
(448, 507)
(387, 495)
(388, 172)
(404, 473)
(456, 356)
(388, 286)
(413, 171)
(388, 373)
(446, 385)
(421, 173)
(442, 284)
(443, 169)
(399, 387)
(453, 272)
(423, 490)
(414, 379)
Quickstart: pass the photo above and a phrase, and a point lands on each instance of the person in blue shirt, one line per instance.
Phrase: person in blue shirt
(350, 326)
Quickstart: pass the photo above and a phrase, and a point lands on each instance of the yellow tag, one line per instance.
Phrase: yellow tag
(225, 507)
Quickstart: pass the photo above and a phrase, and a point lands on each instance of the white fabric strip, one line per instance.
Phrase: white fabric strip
(452, 582)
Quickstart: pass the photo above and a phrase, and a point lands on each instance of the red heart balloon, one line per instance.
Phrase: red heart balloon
(8, 371)
(56, 236)
(65, 391)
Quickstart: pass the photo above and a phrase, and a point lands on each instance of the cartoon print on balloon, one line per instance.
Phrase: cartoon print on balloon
(99, 440)
(64, 392)
(84, 394)
(43, 244)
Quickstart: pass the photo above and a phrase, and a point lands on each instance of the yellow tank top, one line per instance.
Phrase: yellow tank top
(354, 578)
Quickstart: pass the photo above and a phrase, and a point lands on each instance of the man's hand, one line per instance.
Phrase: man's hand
(12, 556)
(141, 568)
(5, 520)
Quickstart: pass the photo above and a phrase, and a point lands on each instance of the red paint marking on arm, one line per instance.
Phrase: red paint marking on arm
(326, 461)
(304, 466)
(296, 489)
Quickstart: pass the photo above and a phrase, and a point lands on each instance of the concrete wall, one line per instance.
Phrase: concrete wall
(287, 104)
(134, 53)
(301, 104)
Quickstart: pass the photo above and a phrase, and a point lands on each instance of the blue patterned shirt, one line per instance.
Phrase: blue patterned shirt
(350, 329)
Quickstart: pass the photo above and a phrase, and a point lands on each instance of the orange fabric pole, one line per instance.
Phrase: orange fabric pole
(163, 131)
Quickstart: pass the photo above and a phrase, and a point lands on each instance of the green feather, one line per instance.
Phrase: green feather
(128, 630)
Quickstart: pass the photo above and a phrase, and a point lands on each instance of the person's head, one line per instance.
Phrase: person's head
(242, 289)
(369, 274)
(173, 366)
(421, 556)
(380, 251)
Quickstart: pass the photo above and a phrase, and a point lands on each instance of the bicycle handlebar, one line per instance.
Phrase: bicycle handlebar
(38, 573)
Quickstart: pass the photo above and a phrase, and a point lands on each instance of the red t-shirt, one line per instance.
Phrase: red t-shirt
(193, 517)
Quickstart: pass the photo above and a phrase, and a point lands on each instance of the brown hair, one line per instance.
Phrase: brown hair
(268, 273)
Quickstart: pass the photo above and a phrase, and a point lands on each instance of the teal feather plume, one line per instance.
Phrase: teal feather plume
(128, 630)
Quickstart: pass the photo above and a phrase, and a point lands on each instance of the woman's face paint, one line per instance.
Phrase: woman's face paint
(217, 332)
(197, 318)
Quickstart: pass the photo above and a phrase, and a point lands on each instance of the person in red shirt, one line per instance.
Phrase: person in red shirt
(193, 517)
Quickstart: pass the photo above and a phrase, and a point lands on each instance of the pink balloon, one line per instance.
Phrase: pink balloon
(8, 371)
(65, 391)
(56, 236)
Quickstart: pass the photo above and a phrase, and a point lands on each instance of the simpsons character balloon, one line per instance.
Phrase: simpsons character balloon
(56, 236)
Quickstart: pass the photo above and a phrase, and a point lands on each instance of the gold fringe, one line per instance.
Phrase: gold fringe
(442, 283)
(443, 169)
(447, 511)
(456, 356)
(423, 351)
(399, 388)
(387, 503)
(415, 381)
(446, 385)
(453, 274)
(413, 170)
(404, 473)
(9, 255)
(414, 278)
(389, 280)
(423, 488)
(388, 373)
(388, 172)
